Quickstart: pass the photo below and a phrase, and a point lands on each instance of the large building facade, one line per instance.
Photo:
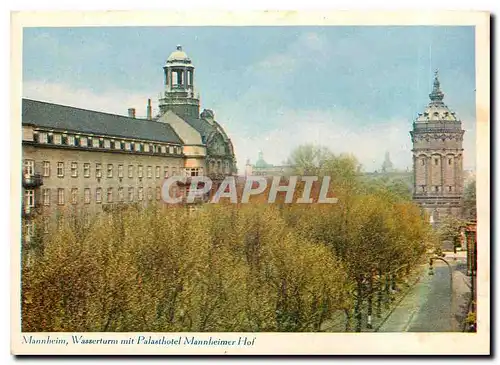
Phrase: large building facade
(84, 160)
(437, 138)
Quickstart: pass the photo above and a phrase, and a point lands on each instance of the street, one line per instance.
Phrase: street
(429, 307)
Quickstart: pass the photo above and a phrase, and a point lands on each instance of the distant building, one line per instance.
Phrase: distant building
(437, 138)
(262, 168)
(387, 166)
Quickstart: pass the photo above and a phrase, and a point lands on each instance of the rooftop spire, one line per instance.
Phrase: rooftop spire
(436, 95)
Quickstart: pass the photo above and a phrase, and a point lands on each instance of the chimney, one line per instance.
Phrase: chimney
(131, 112)
(148, 110)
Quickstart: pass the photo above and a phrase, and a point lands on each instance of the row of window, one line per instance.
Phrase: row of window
(29, 195)
(217, 166)
(29, 167)
(436, 161)
(436, 188)
(97, 142)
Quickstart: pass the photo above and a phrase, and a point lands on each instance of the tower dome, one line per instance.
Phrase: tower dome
(178, 56)
(436, 110)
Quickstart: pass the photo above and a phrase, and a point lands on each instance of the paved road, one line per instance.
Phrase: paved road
(429, 307)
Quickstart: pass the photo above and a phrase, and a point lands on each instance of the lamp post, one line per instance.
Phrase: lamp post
(431, 272)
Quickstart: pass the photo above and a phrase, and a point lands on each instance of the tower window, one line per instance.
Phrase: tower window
(436, 161)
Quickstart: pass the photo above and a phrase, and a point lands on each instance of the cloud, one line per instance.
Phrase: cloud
(113, 101)
(335, 128)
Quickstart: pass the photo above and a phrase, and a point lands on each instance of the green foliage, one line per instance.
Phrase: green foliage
(449, 229)
(469, 205)
(224, 267)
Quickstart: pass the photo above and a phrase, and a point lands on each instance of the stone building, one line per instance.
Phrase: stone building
(437, 138)
(262, 168)
(84, 160)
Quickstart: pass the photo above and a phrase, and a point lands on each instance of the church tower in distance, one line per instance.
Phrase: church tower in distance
(179, 95)
(437, 138)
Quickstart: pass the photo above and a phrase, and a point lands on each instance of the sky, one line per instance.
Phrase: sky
(352, 89)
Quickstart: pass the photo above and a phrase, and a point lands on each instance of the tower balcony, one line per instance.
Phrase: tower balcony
(31, 181)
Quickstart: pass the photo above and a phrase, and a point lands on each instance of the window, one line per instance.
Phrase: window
(166, 171)
(60, 196)
(139, 173)
(120, 194)
(146, 147)
(127, 146)
(137, 147)
(157, 172)
(86, 170)
(84, 142)
(74, 169)
(46, 225)
(423, 188)
(29, 196)
(110, 170)
(436, 188)
(436, 161)
(118, 145)
(42, 137)
(120, 170)
(98, 170)
(60, 169)
(29, 167)
(192, 172)
(46, 196)
(150, 172)
(29, 230)
(130, 171)
(140, 194)
(450, 188)
(46, 168)
(158, 193)
(110, 195)
(174, 171)
(98, 195)
(57, 139)
(107, 143)
(450, 161)
(70, 140)
(130, 194)
(87, 195)
(422, 161)
(95, 142)
(163, 149)
(74, 196)
(150, 193)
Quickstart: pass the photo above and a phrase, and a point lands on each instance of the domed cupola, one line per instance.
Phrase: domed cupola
(179, 95)
(436, 110)
(178, 56)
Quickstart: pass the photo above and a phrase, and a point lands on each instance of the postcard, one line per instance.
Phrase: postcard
(260, 183)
